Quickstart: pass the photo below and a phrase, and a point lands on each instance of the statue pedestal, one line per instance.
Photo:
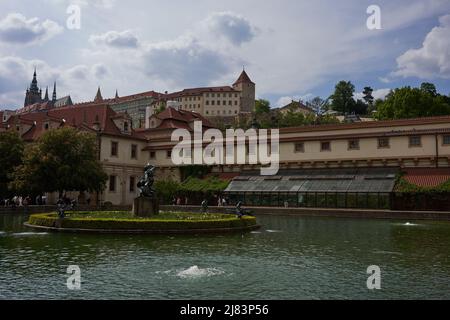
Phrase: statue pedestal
(145, 207)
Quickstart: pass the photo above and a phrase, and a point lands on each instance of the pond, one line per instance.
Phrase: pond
(289, 258)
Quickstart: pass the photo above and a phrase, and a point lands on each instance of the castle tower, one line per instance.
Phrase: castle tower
(248, 92)
(33, 94)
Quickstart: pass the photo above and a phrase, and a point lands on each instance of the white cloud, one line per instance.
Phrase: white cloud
(15, 28)
(432, 60)
(377, 94)
(115, 39)
(100, 70)
(235, 28)
(185, 62)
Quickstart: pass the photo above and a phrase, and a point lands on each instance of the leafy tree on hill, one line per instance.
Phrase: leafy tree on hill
(343, 97)
(410, 102)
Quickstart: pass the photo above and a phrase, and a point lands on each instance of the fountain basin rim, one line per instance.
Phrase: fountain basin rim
(50, 222)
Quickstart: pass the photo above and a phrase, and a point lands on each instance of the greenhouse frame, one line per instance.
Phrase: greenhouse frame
(362, 188)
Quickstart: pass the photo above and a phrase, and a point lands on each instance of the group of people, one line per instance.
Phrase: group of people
(178, 201)
(21, 201)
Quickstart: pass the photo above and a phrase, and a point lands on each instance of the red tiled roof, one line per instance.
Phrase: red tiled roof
(244, 78)
(80, 116)
(427, 177)
(182, 116)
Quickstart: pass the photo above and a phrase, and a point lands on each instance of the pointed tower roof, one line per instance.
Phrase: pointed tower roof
(54, 92)
(98, 96)
(34, 86)
(117, 94)
(243, 78)
(46, 94)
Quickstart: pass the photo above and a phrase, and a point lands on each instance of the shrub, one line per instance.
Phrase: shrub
(153, 224)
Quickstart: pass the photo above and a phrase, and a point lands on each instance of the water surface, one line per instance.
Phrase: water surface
(289, 258)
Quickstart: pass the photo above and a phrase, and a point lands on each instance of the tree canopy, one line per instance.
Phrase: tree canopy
(343, 97)
(410, 102)
(11, 151)
(262, 106)
(61, 160)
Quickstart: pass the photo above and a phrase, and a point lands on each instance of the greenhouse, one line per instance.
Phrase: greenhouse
(369, 188)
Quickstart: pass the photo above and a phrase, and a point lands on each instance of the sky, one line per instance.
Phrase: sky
(291, 49)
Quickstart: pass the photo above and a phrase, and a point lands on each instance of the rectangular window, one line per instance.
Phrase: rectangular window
(383, 142)
(446, 140)
(218, 102)
(114, 148)
(133, 151)
(152, 155)
(169, 153)
(415, 141)
(132, 184)
(353, 144)
(224, 102)
(299, 147)
(112, 183)
(325, 146)
(207, 102)
(213, 102)
(235, 103)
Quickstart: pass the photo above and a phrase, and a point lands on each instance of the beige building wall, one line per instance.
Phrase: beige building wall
(123, 167)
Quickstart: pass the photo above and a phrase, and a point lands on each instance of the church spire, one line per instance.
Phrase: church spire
(46, 95)
(98, 96)
(54, 92)
(34, 87)
(117, 94)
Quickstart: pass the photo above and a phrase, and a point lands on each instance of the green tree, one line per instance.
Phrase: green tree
(11, 152)
(161, 108)
(368, 97)
(410, 102)
(343, 97)
(61, 160)
(262, 106)
(429, 88)
(167, 189)
(360, 107)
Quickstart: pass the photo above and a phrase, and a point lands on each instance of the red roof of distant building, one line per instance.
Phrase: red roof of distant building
(244, 78)
(427, 177)
(86, 116)
(182, 116)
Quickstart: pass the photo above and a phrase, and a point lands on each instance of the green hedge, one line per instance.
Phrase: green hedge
(51, 219)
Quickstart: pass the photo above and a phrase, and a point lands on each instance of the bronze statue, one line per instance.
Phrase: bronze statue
(145, 184)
